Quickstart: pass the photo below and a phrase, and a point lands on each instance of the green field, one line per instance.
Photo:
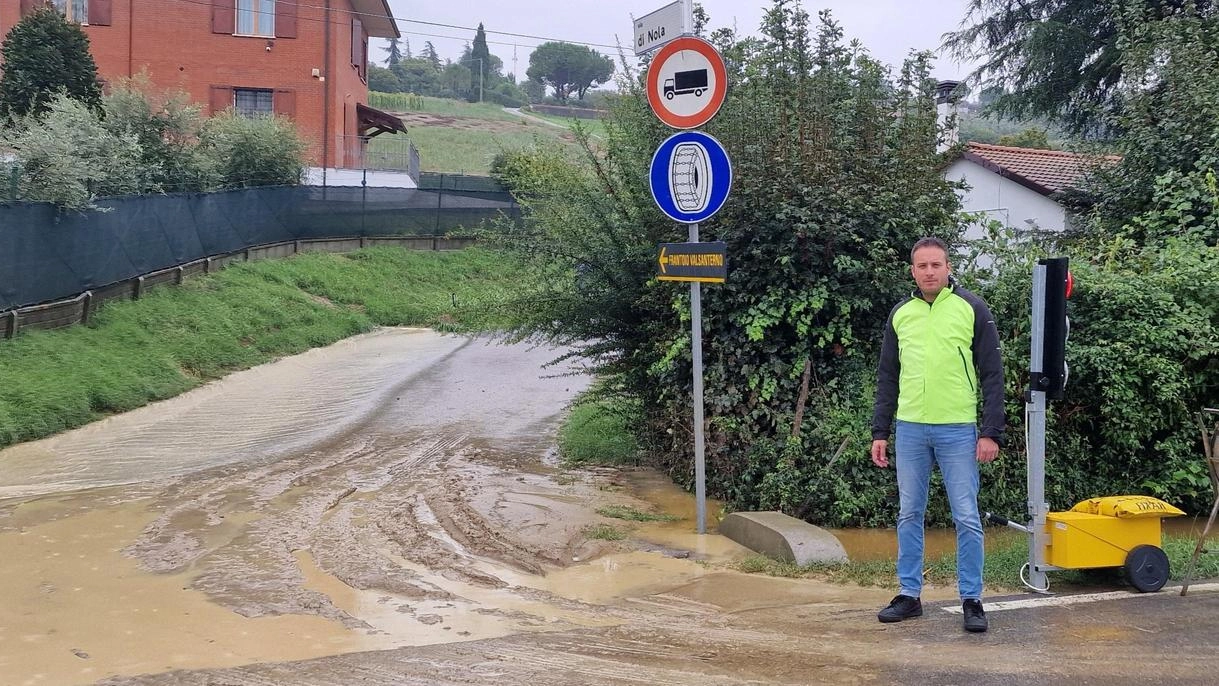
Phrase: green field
(454, 136)
(175, 338)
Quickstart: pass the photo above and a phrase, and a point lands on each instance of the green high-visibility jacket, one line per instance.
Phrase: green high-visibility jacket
(934, 360)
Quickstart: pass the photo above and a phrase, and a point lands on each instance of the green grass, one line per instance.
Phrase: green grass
(468, 145)
(605, 532)
(597, 433)
(634, 515)
(467, 151)
(594, 126)
(176, 338)
(446, 107)
(1001, 571)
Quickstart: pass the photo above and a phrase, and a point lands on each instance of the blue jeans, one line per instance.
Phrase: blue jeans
(954, 448)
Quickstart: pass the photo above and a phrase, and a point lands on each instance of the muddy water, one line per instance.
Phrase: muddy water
(393, 490)
(425, 511)
(259, 413)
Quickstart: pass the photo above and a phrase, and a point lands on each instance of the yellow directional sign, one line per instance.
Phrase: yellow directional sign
(703, 262)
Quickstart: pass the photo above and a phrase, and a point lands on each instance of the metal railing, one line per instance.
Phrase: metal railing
(379, 153)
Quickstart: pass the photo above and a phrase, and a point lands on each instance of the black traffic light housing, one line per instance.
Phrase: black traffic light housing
(1053, 375)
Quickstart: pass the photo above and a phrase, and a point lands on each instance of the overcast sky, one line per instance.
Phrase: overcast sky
(888, 28)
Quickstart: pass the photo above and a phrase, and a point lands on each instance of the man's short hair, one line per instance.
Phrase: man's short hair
(928, 242)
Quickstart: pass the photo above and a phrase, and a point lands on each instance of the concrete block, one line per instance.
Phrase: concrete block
(781, 537)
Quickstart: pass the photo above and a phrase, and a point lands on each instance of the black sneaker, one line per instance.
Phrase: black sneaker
(975, 616)
(901, 607)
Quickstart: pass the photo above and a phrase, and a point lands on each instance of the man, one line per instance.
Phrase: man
(940, 346)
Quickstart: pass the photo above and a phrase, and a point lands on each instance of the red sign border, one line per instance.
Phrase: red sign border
(717, 96)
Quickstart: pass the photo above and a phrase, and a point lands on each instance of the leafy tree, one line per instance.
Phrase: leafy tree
(1058, 58)
(1029, 138)
(417, 75)
(535, 91)
(990, 95)
(835, 176)
(1165, 184)
(68, 157)
(393, 53)
(384, 80)
(430, 54)
(44, 54)
(568, 68)
(166, 124)
(455, 81)
(253, 151)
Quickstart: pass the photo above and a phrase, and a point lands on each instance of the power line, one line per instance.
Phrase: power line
(398, 22)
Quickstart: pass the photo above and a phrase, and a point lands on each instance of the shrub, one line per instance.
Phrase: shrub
(167, 126)
(253, 151)
(69, 157)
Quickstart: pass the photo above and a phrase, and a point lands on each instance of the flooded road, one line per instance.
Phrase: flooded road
(389, 510)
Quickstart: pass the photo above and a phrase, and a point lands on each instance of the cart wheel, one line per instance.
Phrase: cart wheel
(1146, 568)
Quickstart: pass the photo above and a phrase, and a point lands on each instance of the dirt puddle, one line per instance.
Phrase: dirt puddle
(414, 503)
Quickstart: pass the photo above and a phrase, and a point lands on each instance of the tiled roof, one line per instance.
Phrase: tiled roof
(1045, 171)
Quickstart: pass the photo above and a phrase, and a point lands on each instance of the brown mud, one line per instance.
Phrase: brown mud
(389, 510)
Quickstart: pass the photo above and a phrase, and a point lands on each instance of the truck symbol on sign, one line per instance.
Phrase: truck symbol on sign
(683, 82)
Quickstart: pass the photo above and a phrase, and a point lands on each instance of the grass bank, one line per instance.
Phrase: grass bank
(1001, 571)
(175, 338)
(597, 432)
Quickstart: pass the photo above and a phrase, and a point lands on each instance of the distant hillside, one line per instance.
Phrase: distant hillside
(453, 136)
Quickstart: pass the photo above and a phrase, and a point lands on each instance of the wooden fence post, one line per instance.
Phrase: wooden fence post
(11, 328)
(86, 305)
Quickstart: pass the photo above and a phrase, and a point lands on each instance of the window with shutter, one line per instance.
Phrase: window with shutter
(224, 16)
(285, 19)
(253, 102)
(99, 12)
(284, 102)
(73, 10)
(221, 98)
(256, 18)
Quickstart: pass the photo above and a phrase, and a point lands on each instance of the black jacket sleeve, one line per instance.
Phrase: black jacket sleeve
(888, 371)
(988, 360)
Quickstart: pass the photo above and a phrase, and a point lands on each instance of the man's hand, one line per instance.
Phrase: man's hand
(880, 456)
(988, 450)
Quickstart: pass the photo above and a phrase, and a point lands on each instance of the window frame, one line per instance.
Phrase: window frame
(257, 17)
(68, 9)
(256, 92)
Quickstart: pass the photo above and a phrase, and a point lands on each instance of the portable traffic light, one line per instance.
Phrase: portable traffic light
(1052, 377)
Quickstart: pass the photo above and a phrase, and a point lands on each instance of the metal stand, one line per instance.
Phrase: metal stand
(1035, 409)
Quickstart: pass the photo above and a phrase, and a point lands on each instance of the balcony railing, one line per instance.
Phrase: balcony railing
(379, 153)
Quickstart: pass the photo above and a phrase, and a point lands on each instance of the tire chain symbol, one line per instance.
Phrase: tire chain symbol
(690, 177)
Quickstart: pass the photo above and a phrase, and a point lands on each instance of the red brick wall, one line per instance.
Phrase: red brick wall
(173, 41)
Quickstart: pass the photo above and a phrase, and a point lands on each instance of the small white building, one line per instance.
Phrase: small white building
(1018, 186)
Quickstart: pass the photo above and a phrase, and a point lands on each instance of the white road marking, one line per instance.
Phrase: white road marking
(1055, 601)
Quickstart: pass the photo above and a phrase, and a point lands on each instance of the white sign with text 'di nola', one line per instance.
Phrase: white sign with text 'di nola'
(657, 28)
(687, 83)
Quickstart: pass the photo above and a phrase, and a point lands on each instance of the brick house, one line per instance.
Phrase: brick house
(305, 60)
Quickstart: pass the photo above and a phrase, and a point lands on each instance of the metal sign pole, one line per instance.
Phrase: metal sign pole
(1035, 418)
(696, 352)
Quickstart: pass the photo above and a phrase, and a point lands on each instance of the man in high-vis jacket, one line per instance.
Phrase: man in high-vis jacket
(940, 348)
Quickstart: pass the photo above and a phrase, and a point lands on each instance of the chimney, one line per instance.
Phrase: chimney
(946, 97)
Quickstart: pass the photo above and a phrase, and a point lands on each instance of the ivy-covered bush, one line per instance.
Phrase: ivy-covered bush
(835, 177)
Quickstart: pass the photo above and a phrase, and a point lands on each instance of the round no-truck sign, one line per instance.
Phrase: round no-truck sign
(687, 83)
